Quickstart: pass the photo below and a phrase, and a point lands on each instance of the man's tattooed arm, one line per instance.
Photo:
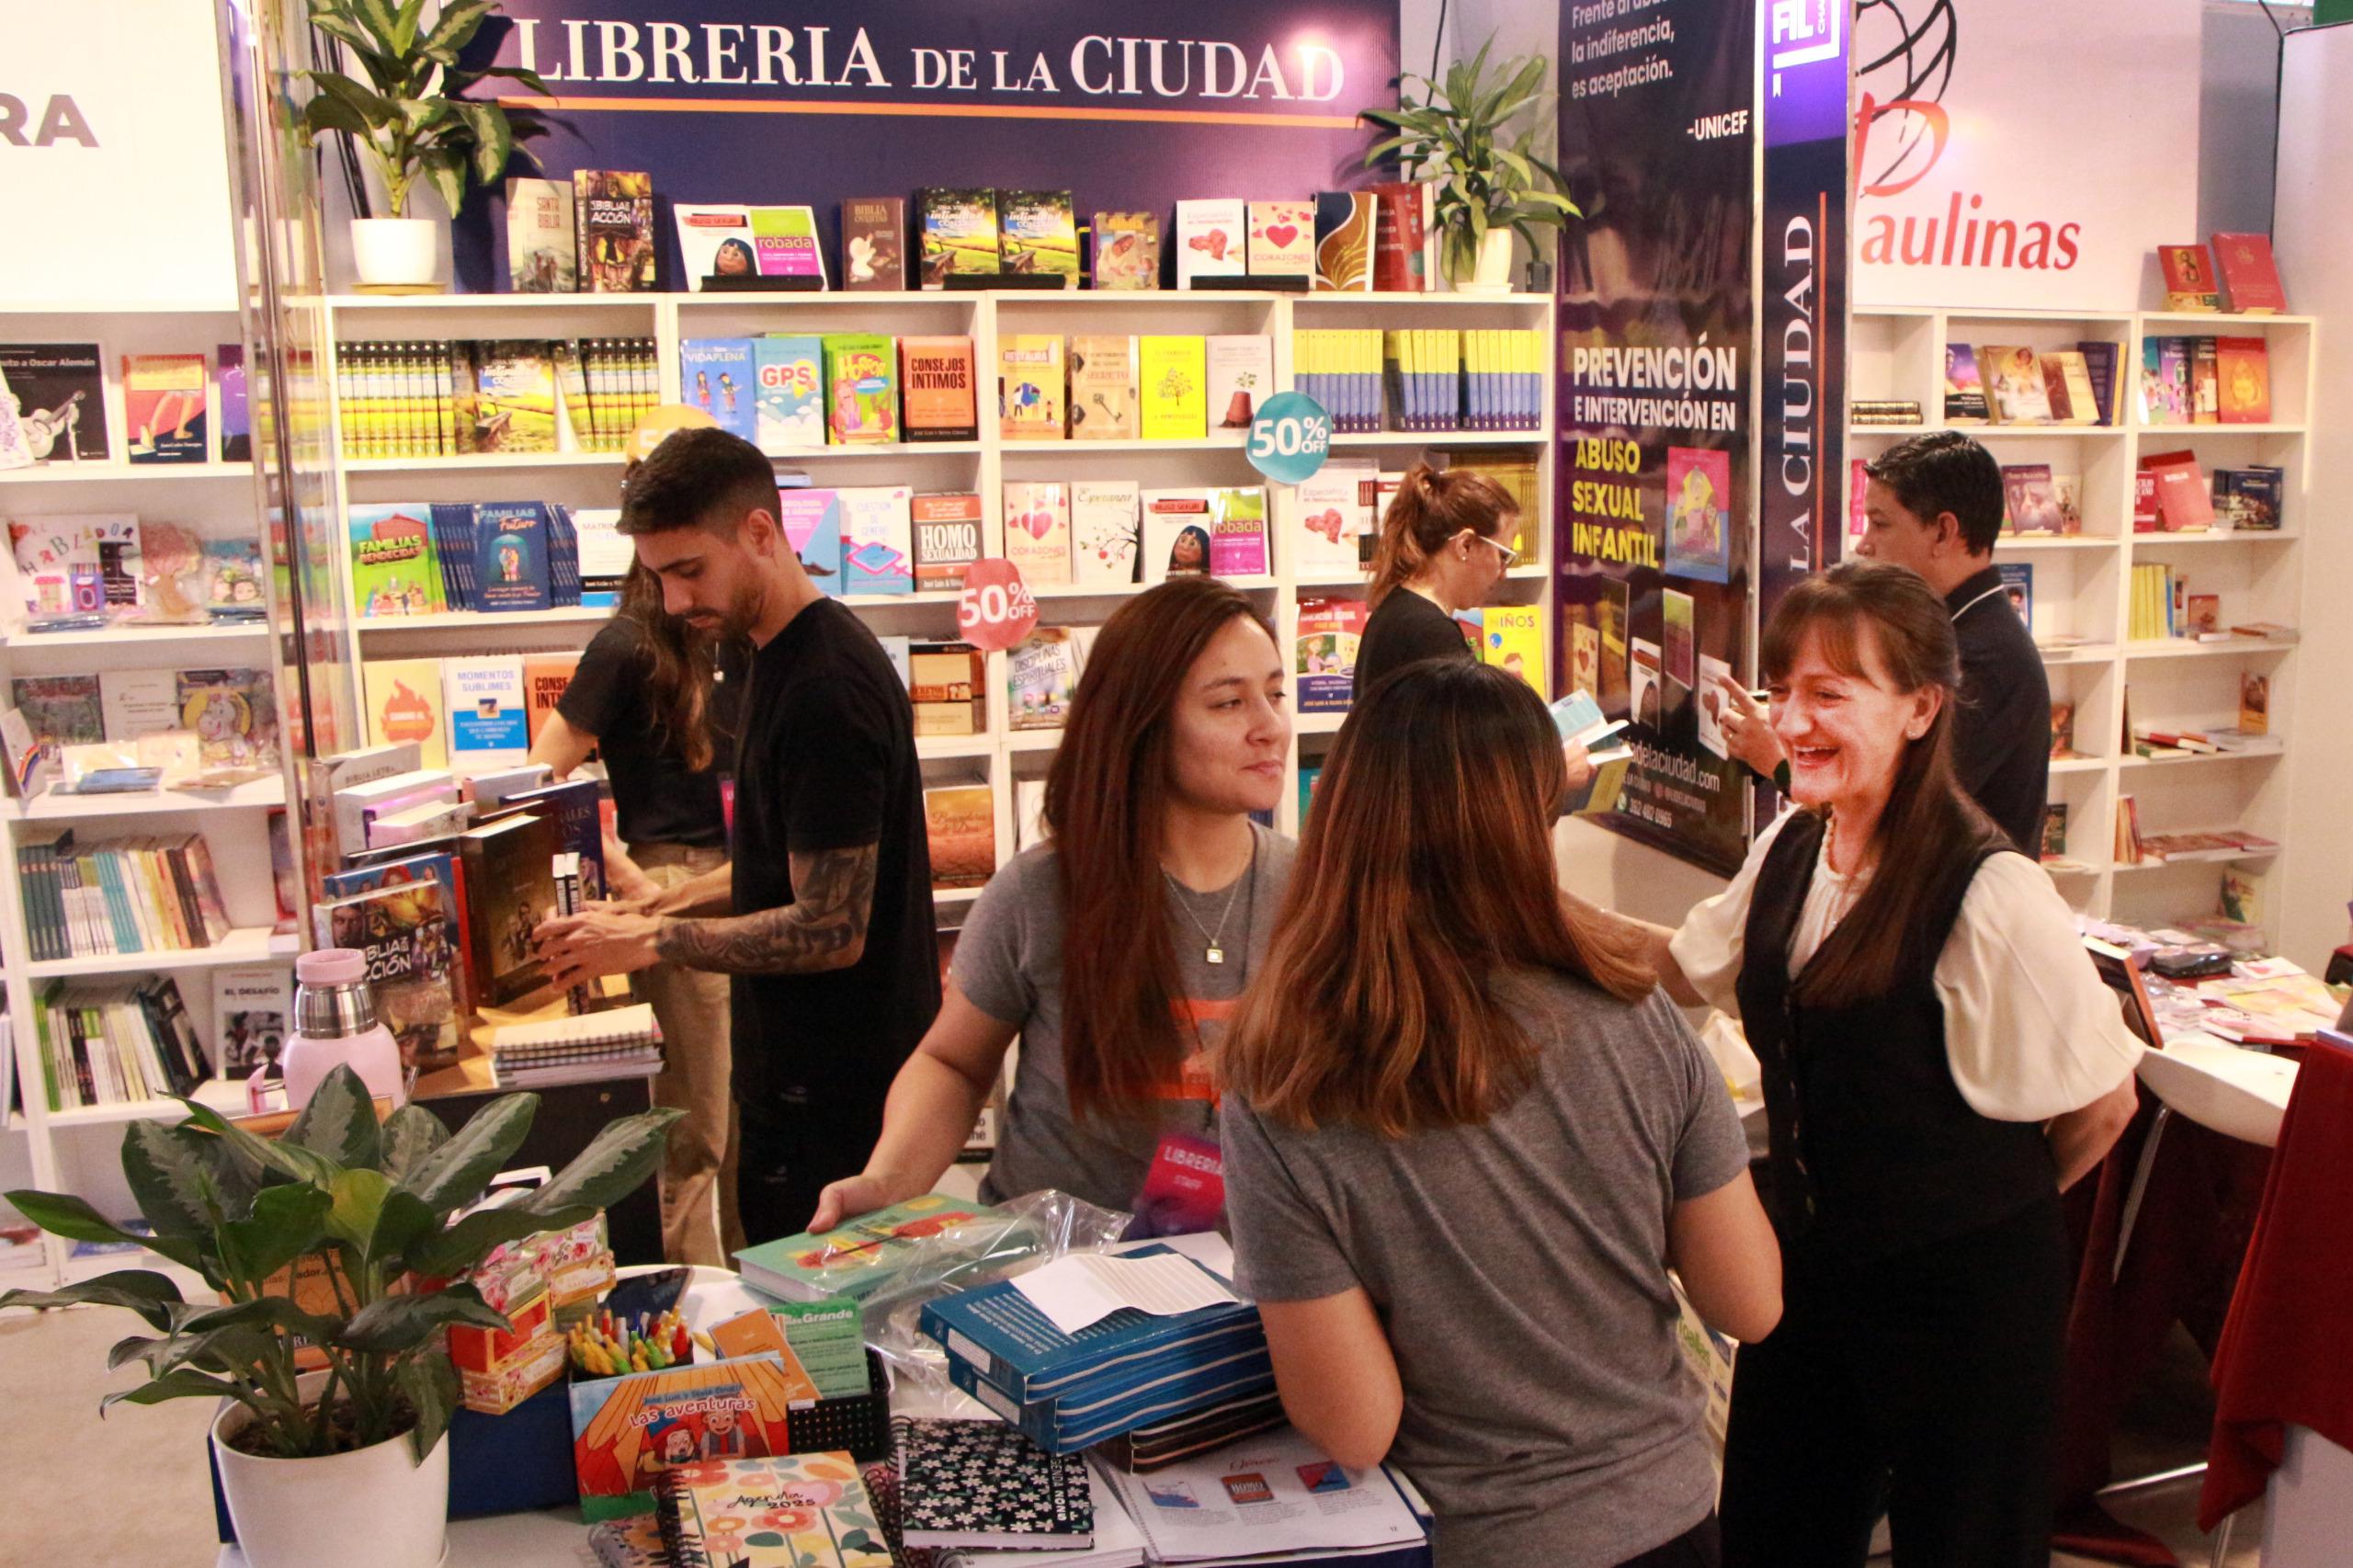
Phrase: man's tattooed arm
(823, 928)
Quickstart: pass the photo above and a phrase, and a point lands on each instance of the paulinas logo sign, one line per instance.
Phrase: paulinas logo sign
(59, 119)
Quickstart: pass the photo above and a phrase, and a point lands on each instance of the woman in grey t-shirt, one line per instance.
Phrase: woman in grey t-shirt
(1465, 1138)
(1115, 949)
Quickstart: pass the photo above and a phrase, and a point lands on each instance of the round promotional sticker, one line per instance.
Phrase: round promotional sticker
(998, 610)
(1290, 437)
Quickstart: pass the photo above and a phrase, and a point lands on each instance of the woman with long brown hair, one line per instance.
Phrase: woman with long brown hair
(1115, 949)
(1940, 1061)
(1464, 1140)
(651, 694)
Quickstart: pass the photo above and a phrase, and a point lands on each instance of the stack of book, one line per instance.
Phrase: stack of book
(116, 1043)
(584, 1049)
(2205, 381)
(2239, 265)
(1128, 1371)
(2015, 384)
(1889, 412)
(98, 897)
(426, 558)
(449, 398)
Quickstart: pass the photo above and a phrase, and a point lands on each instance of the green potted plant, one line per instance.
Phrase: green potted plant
(409, 119)
(1492, 182)
(344, 1463)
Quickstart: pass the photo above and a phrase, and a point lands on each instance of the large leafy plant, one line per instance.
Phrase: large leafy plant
(374, 1203)
(410, 117)
(1461, 137)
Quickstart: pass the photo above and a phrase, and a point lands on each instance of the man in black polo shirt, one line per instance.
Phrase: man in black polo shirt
(823, 915)
(1934, 503)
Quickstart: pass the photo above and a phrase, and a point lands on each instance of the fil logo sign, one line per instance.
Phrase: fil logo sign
(1804, 32)
(60, 120)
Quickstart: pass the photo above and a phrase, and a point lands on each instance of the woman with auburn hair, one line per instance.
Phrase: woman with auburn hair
(1115, 949)
(1940, 1061)
(1464, 1140)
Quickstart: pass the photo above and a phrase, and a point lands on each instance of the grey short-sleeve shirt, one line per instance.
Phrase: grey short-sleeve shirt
(1519, 1268)
(1008, 963)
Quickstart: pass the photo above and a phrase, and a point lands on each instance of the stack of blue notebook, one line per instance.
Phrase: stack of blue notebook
(1131, 1370)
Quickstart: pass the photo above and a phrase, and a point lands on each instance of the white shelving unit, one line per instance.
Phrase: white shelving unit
(77, 1150)
(1001, 755)
(2082, 588)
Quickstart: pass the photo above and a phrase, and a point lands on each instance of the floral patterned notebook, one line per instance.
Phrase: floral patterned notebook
(791, 1511)
(982, 1483)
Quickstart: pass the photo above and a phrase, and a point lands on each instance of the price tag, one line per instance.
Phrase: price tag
(998, 610)
(1290, 437)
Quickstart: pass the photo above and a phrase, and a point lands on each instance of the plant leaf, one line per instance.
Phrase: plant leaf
(493, 140)
(458, 1248)
(394, 1323)
(287, 1223)
(378, 18)
(181, 1384)
(405, 25)
(432, 1387)
(326, 112)
(142, 1290)
(408, 1135)
(461, 20)
(174, 1176)
(63, 1215)
(455, 1173)
(340, 1122)
(614, 1165)
(370, 106)
(401, 1224)
(359, 1205)
(265, 1153)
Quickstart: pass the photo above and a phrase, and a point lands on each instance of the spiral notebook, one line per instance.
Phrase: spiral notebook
(578, 1049)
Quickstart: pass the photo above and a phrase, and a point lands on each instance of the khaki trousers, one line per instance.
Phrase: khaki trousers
(698, 1219)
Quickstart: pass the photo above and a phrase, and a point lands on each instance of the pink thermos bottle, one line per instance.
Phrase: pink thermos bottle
(334, 1021)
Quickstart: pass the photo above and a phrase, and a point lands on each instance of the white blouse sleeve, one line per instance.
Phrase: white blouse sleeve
(2030, 1032)
(1708, 947)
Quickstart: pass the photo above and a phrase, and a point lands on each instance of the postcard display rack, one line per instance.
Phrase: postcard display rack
(1000, 756)
(2082, 594)
(77, 1150)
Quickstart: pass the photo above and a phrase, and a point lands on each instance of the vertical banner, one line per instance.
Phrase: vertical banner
(1801, 492)
(1656, 320)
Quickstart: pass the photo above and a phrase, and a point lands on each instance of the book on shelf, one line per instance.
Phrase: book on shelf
(2068, 378)
(1176, 533)
(1211, 238)
(716, 375)
(2054, 831)
(940, 383)
(2248, 498)
(1029, 813)
(2184, 503)
(163, 408)
(2190, 278)
(1404, 236)
(1333, 518)
(1240, 541)
(139, 702)
(2017, 583)
(393, 569)
(958, 232)
(1038, 234)
(811, 520)
(60, 391)
(511, 553)
(878, 541)
(236, 411)
(790, 401)
(115, 1042)
(945, 686)
(2031, 506)
(2255, 703)
(2100, 359)
(2204, 620)
(947, 537)
(1325, 653)
(1041, 674)
(483, 697)
(2063, 730)
(1345, 223)
(2016, 391)
(1340, 369)
(253, 1018)
(874, 244)
(1106, 523)
(785, 244)
(1032, 387)
(543, 237)
(95, 898)
(1172, 379)
(1283, 239)
(72, 566)
(614, 210)
(715, 245)
(861, 389)
(2249, 274)
(1037, 531)
(2205, 382)
(515, 397)
(982, 1484)
(1241, 371)
(2243, 381)
(960, 823)
(1103, 388)
(1511, 638)
(233, 715)
(1127, 250)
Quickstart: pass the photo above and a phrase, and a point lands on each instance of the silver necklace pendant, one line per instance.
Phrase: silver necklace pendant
(1214, 954)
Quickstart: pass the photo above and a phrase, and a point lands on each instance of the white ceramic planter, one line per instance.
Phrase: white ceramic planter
(395, 250)
(1493, 274)
(369, 1508)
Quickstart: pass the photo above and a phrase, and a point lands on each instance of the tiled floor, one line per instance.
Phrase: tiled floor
(53, 1447)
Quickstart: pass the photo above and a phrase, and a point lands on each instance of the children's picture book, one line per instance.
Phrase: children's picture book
(1172, 378)
(1127, 250)
(2028, 497)
(1964, 390)
(1106, 527)
(233, 715)
(874, 242)
(2248, 497)
(1039, 677)
(852, 1261)
(804, 1511)
(2249, 274)
(139, 702)
(947, 539)
(1699, 513)
(1283, 239)
(628, 1431)
(878, 540)
(940, 386)
(1511, 638)
(253, 1018)
(811, 520)
(60, 710)
(78, 564)
(789, 408)
(2190, 278)
(59, 390)
(511, 552)
(2054, 831)
(960, 829)
(614, 210)
(483, 694)
(1102, 388)
(236, 408)
(1038, 234)
(716, 375)
(1344, 232)
(164, 407)
(403, 699)
(1240, 545)
(2014, 383)
(861, 389)
(2017, 583)
(1175, 534)
(958, 232)
(1037, 531)
(2242, 376)
(1031, 387)
(1325, 652)
(1241, 376)
(1212, 240)
(542, 240)
(393, 569)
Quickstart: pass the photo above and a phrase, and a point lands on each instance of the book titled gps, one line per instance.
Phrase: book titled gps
(855, 1259)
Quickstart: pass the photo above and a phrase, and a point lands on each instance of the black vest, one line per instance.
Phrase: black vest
(1873, 1150)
